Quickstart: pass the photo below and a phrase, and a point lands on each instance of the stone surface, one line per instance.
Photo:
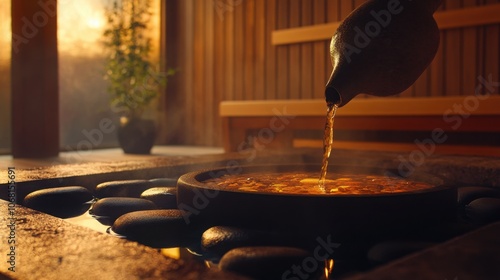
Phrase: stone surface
(157, 228)
(89, 175)
(457, 170)
(163, 197)
(475, 255)
(113, 207)
(163, 182)
(465, 170)
(47, 253)
(271, 263)
(385, 252)
(442, 232)
(50, 248)
(63, 202)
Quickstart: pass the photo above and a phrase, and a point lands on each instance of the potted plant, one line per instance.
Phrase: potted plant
(134, 82)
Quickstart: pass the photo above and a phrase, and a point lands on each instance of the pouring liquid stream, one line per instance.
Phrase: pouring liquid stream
(327, 143)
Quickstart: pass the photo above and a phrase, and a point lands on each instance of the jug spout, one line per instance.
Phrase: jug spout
(338, 92)
(382, 48)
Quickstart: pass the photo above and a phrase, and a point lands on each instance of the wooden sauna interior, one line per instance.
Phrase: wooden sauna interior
(238, 60)
(232, 50)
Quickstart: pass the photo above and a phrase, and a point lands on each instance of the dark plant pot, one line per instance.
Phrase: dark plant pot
(137, 136)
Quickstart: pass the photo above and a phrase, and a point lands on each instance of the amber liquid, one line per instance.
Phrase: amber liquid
(327, 142)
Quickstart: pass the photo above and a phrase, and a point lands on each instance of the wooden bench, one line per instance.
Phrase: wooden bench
(274, 123)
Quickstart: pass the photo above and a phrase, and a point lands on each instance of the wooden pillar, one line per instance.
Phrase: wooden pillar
(35, 91)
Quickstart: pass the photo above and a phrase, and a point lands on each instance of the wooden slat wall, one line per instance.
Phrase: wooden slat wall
(229, 56)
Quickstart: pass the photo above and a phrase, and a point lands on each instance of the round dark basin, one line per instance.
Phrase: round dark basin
(344, 217)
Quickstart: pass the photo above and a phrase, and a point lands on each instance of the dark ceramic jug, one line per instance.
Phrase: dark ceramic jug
(382, 48)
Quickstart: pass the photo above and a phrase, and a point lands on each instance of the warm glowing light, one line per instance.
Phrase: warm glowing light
(81, 25)
(5, 30)
(95, 23)
(329, 264)
(174, 253)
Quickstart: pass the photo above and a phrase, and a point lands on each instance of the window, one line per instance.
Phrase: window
(83, 99)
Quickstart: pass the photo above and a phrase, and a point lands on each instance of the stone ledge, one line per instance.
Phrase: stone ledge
(90, 174)
(51, 248)
(456, 170)
(475, 255)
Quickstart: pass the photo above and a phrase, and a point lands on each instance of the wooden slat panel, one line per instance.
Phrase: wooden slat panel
(306, 54)
(436, 86)
(480, 123)
(492, 49)
(481, 59)
(333, 12)
(260, 49)
(197, 104)
(489, 14)
(421, 86)
(387, 106)
(188, 69)
(249, 49)
(283, 80)
(229, 55)
(320, 51)
(483, 15)
(210, 97)
(476, 123)
(175, 55)
(469, 55)
(247, 66)
(346, 7)
(304, 34)
(381, 146)
(219, 73)
(452, 50)
(239, 51)
(294, 60)
(271, 58)
(357, 3)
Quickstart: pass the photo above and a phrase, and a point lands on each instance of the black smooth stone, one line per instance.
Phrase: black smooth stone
(62, 202)
(272, 263)
(163, 197)
(385, 252)
(218, 240)
(122, 188)
(113, 207)
(163, 182)
(467, 194)
(483, 210)
(157, 228)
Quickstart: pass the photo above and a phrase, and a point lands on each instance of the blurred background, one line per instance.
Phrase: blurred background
(223, 50)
